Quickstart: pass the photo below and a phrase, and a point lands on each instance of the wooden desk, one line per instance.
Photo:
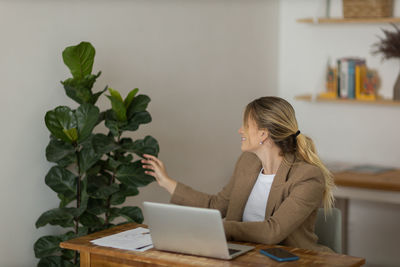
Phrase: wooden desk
(380, 187)
(92, 255)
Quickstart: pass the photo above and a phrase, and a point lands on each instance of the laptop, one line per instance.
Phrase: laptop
(189, 230)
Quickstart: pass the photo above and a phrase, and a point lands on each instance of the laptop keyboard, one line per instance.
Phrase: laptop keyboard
(232, 251)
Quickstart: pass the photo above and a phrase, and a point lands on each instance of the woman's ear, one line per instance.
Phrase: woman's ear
(264, 135)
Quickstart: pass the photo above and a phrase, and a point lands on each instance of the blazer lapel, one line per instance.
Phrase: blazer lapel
(244, 185)
(275, 193)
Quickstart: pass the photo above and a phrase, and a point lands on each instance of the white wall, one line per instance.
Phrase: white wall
(200, 61)
(344, 132)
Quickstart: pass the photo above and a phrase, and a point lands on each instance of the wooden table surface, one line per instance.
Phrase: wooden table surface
(388, 181)
(380, 187)
(93, 255)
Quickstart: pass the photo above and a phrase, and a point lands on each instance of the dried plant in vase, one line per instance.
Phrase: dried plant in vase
(389, 47)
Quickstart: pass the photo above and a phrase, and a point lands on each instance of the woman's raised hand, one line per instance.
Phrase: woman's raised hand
(156, 168)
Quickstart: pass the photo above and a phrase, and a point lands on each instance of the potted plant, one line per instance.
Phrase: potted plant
(94, 172)
(389, 47)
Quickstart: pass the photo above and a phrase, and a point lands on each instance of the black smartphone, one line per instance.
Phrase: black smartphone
(279, 254)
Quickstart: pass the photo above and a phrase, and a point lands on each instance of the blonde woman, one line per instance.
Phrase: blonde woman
(277, 186)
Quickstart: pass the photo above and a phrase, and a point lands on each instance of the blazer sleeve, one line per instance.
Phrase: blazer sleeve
(187, 196)
(305, 196)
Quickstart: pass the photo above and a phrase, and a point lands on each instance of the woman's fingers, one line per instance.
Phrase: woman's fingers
(151, 157)
(148, 167)
(149, 162)
(156, 168)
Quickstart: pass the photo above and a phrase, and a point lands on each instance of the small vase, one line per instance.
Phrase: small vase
(396, 89)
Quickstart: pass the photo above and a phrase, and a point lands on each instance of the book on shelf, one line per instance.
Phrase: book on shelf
(347, 76)
(351, 79)
(361, 78)
(344, 79)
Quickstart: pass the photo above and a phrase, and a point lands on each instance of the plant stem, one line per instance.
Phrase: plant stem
(78, 201)
(112, 181)
(108, 205)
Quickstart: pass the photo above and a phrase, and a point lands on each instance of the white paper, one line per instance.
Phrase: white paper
(137, 239)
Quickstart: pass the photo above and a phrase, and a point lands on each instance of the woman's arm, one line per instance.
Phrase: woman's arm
(185, 195)
(305, 197)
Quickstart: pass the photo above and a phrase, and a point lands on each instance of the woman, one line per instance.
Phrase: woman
(277, 186)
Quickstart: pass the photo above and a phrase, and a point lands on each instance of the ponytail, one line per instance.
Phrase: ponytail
(306, 151)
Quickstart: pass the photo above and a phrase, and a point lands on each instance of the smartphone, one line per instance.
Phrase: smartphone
(279, 254)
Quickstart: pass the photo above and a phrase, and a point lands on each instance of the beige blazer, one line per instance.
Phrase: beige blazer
(295, 196)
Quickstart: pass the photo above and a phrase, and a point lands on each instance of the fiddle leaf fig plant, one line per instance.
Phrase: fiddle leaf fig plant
(94, 172)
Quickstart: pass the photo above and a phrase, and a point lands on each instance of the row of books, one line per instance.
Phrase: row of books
(351, 79)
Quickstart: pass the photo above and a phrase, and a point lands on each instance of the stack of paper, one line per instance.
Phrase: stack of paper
(137, 239)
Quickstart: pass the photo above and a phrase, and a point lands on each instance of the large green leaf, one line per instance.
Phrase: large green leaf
(90, 220)
(113, 213)
(87, 157)
(67, 254)
(97, 181)
(79, 59)
(72, 134)
(132, 174)
(60, 152)
(129, 98)
(87, 116)
(139, 103)
(60, 119)
(123, 157)
(75, 89)
(54, 261)
(104, 192)
(103, 144)
(47, 245)
(124, 191)
(126, 158)
(68, 235)
(118, 107)
(131, 214)
(96, 206)
(59, 216)
(63, 182)
(80, 90)
(113, 164)
(138, 118)
(82, 231)
(148, 145)
(115, 94)
(95, 169)
(113, 124)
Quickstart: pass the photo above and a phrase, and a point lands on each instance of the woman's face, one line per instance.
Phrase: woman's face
(251, 136)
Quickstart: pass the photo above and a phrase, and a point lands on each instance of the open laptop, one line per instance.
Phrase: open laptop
(190, 230)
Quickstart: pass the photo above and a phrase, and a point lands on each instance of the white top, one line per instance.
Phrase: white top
(257, 202)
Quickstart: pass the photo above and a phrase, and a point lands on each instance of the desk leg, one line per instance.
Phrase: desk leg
(343, 205)
(85, 259)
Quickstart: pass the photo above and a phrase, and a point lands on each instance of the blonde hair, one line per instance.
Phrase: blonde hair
(278, 117)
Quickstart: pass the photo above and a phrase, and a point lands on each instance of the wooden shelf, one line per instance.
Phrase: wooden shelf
(383, 102)
(343, 20)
